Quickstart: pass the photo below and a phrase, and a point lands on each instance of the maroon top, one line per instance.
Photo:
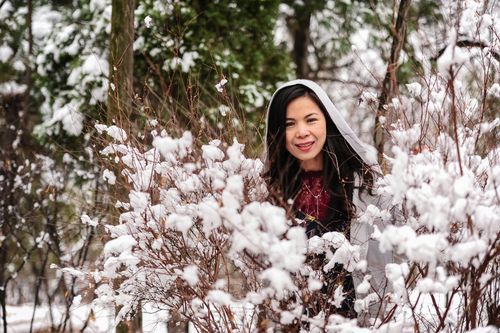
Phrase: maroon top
(313, 198)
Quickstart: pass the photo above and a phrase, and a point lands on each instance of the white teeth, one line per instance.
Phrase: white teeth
(304, 145)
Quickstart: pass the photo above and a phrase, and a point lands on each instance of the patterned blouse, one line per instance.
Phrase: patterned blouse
(314, 198)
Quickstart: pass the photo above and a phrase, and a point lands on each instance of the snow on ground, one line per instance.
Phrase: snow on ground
(19, 318)
(101, 320)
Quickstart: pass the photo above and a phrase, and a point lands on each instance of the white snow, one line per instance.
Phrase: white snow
(119, 245)
(212, 153)
(190, 275)
(186, 62)
(219, 297)
(364, 286)
(279, 280)
(118, 134)
(148, 21)
(5, 53)
(463, 252)
(494, 90)
(338, 296)
(139, 200)
(453, 56)
(89, 221)
(5, 10)
(220, 86)
(109, 176)
(12, 87)
(180, 223)
(414, 88)
(224, 110)
(19, 317)
(70, 117)
(463, 186)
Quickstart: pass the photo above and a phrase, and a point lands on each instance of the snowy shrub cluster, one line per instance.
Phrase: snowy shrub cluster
(197, 237)
(449, 243)
(445, 178)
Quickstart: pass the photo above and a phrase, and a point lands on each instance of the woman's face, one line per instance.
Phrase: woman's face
(305, 132)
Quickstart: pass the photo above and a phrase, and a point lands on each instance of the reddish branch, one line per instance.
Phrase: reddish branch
(390, 81)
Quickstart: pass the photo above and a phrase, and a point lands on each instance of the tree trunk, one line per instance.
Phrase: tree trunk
(120, 93)
(301, 40)
(390, 81)
(121, 60)
(10, 106)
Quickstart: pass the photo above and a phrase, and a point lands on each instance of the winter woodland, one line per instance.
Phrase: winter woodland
(132, 196)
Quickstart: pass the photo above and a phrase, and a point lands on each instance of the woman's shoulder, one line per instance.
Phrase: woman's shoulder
(381, 202)
(370, 194)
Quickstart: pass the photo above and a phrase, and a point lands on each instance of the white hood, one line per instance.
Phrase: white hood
(366, 152)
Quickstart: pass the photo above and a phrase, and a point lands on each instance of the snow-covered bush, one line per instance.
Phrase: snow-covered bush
(449, 241)
(446, 178)
(198, 237)
(71, 64)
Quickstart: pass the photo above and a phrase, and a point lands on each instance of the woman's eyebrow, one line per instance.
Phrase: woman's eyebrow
(311, 114)
(307, 116)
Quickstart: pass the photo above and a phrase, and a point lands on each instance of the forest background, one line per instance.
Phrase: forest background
(408, 75)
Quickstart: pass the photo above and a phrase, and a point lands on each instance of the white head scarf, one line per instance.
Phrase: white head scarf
(364, 151)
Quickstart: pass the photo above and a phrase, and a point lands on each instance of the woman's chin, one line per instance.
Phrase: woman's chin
(311, 162)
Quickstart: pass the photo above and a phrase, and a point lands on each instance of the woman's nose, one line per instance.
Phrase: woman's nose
(302, 131)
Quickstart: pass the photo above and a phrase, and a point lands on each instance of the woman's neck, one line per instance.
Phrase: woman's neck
(315, 164)
(312, 165)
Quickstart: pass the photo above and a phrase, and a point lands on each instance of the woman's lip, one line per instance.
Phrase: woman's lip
(304, 146)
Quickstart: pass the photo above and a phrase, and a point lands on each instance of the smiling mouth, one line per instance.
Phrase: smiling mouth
(304, 146)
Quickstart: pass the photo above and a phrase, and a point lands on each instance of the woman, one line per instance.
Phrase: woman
(314, 158)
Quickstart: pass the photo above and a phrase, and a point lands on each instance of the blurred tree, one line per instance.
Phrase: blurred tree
(298, 22)
(67, 45)
(36, 206)
(185, 48)
(390, 83)
(121, 59)
(14, 109)
(322, 34)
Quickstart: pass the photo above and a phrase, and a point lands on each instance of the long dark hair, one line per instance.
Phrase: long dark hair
(341, 162)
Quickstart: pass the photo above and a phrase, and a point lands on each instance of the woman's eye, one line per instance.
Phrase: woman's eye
(311, 120)
(288, 124)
